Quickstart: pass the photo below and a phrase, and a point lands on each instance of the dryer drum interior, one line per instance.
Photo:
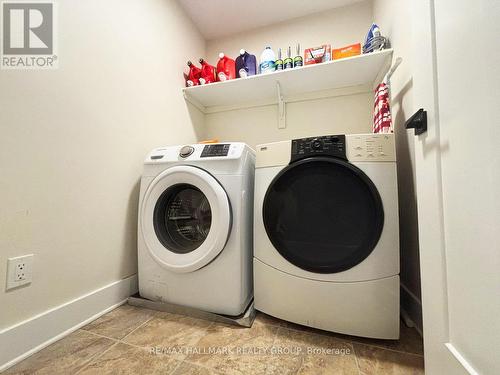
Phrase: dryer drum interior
(182, 218)
(323, 214)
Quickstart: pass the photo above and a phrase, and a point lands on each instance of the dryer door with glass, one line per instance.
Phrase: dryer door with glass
(323, 214)
(185, 218)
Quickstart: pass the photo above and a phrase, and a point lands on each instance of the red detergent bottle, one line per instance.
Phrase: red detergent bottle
(193, 77)
(208, 73)
(226, 68)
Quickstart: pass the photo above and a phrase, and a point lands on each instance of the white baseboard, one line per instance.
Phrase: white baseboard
(411, 308)
(28, 337)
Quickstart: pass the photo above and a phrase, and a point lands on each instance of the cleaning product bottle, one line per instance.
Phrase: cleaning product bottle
(279, 63)
(246, 64)
(267, 61)
(298, 60)
(193, 77)
(288, 62)
(208, 74)
(226, 68)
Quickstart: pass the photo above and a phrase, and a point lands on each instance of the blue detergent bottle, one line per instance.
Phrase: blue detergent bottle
(246, 64)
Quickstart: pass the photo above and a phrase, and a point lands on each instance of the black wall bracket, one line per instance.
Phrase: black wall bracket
(418, 122)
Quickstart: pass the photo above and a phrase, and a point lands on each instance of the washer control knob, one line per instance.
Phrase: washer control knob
(316, 144)
(186, 151)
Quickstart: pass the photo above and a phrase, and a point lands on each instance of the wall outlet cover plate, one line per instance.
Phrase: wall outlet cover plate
(19, 271)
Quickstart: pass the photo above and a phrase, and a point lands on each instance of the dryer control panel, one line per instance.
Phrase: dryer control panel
(371, 147)
(328, 145)
(352, 147)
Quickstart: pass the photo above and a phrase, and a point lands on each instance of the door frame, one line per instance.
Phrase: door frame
(441, 357)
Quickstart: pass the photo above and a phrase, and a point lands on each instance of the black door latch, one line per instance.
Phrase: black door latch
(418, 122)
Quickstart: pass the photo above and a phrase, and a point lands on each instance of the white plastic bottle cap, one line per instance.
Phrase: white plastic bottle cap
(221, 55)
(242, 51)
(222, 76)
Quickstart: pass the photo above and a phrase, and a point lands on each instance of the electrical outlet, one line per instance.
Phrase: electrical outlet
(19, 271)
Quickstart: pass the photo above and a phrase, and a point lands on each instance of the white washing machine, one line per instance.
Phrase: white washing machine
(195, 226)
(326, 237)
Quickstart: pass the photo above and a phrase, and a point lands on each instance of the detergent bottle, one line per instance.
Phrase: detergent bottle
(279, 63)
(193, 77)
(288, 61)
(208, 74)
(246, 64)
(226, 68)
(267, 61)
(298, 60)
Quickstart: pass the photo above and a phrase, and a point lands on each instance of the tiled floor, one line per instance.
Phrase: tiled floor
(130, 340)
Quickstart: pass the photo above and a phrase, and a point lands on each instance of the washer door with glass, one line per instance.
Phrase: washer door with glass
(323, 215)
(185, 218)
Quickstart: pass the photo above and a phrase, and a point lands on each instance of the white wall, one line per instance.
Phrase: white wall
(73, 140)
(394, 18)
(343, 114)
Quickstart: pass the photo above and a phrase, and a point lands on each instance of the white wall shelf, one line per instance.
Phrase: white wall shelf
(339, 77)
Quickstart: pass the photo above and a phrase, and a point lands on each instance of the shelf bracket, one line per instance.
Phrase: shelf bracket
(281, 108)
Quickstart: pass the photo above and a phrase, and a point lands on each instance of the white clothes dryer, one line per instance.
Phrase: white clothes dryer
(326, 233)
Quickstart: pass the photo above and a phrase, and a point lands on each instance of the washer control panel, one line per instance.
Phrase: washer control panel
(194, 152)
(219, 149)
(329, 145)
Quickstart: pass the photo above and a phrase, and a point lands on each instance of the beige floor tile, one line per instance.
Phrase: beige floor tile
(66, 356)
(171, 334)
(410, 340)
(241, 351)
(191, 369)
(119, 322)
(319, 354)
(126, 359)
(374, 361)
(270, 346)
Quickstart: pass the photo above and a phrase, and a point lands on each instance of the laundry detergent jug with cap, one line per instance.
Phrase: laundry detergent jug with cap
(193, 77)
(267, 61)
(246, 64)
(208, 74)
(226, 68)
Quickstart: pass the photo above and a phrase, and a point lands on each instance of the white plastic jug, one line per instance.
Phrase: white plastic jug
(267, 59)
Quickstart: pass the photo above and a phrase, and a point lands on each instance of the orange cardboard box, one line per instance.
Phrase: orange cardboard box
(348, 51)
